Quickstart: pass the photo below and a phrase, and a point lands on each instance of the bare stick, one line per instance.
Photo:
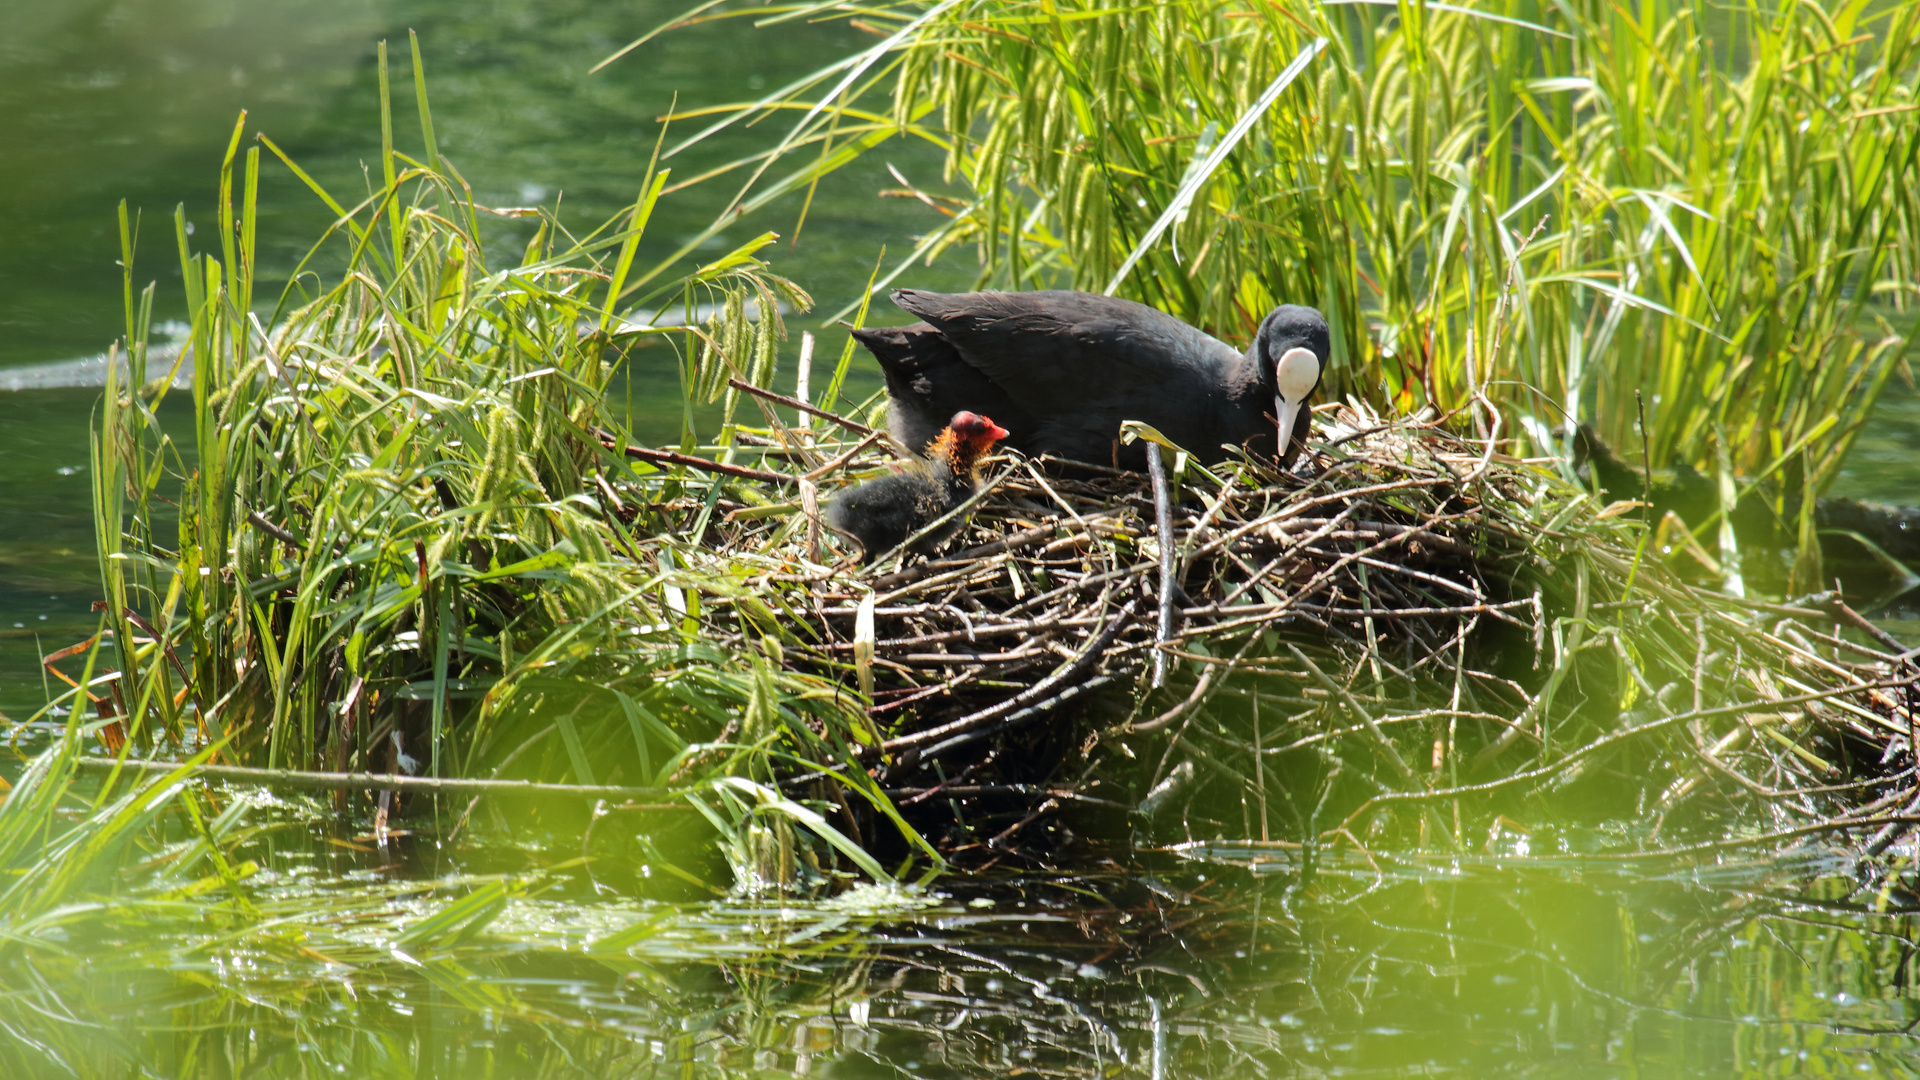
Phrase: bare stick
(274, 531)
(1020, 719)
(796, 403)
(671, 457)
(907, 796)
(1595, 746)
(843, 458)
(804, 377)
(810, 505)
(1025, 626)
(1839, 609)
(1018, 540)
(1387, 748)
(1079, 665)
(1163, 521)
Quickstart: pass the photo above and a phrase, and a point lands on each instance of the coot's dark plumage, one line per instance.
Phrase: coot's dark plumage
(1063, 369)
(924, 375)
(884, 512)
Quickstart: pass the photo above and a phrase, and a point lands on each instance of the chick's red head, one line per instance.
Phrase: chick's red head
(976, 429)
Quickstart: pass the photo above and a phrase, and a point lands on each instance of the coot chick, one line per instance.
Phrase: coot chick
(1063, 369)
(884, 512)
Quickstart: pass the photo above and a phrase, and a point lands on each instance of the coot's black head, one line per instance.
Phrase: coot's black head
(1291, 351)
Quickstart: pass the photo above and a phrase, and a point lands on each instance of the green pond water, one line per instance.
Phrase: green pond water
(1200, 963)
(542, 940)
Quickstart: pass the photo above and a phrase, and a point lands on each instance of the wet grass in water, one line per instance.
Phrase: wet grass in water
(391, 545)
(307, 944)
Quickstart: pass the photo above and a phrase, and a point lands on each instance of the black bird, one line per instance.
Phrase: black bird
(1063, 369)
(884, 512)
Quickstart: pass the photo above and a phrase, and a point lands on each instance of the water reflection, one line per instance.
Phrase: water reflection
(1881, 465)
(331, 953)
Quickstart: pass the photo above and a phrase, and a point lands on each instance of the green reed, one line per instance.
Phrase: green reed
(1713, 207)
(397, 539)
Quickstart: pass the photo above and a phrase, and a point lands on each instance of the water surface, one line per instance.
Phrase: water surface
(541, 952)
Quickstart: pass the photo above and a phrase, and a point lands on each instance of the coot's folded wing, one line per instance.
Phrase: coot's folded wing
(928, 382)
(1062, 352)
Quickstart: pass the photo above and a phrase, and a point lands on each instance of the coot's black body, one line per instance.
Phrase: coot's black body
(884, 512)
(1062, 369)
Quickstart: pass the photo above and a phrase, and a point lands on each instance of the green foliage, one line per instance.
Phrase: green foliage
(1713, 207)
(405, 524)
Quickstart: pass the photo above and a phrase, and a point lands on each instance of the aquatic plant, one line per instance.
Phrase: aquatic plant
(1710, 210)
(395, 545)
(372, 542)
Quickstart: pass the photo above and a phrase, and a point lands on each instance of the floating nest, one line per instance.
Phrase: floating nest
(1409, 634)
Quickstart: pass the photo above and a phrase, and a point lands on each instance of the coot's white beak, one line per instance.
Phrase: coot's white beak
(1294, 377)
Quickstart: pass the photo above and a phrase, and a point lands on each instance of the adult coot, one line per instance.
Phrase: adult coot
(1062, 369)
(884, 512)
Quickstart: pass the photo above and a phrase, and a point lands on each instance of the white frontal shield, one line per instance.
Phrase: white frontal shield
(1294, 377)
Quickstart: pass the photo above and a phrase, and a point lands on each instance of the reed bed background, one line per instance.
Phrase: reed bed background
(1710, 208)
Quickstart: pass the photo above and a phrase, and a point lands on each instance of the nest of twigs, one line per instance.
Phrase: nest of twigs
(1409, 632)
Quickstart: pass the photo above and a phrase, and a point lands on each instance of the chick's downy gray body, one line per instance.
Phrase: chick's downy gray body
(883, 513)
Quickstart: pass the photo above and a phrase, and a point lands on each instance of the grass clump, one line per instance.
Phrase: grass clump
(394, 542)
